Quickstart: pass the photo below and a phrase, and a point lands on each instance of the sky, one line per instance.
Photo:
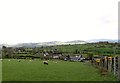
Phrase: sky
(31, 21)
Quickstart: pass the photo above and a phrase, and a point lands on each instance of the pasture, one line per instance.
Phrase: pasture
(56, 70)
(0, 70)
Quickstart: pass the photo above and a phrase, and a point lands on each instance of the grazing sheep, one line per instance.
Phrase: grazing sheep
(55, 62)
(18, 60)
(45, 62)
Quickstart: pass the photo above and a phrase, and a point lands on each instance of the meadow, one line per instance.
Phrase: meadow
(96, 49)
(0, 71)
(57, 70)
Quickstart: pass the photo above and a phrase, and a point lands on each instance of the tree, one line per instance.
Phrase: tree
(7, 52)
(90, 56)
(68, 56)
(76, 51)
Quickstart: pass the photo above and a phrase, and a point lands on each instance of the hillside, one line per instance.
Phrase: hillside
(52, 43)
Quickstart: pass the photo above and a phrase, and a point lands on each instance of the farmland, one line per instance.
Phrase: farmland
(100, 49)
(110, 49)
(0, 71)
(28, 70)
(31, 67)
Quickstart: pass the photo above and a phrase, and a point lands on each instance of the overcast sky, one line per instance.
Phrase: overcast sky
(57, 20)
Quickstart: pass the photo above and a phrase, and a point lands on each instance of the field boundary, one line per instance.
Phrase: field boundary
(108, 64)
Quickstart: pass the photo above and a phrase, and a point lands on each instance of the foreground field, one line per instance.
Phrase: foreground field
(27, 70)
(0, 71)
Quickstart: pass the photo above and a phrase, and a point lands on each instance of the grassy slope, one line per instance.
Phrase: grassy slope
(61, 71)
(95, 48)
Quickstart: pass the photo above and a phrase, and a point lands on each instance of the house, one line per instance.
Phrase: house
(46, 54)
(56, 56)
(75, 58)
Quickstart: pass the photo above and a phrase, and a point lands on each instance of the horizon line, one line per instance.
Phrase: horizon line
(61, 41)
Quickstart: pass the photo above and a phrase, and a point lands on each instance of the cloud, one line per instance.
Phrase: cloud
(52, 20)
(108, 19)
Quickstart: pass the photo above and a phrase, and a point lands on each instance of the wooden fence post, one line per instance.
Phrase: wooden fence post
(119, 67)
(114, 65)
(106, 64)
(109, 65)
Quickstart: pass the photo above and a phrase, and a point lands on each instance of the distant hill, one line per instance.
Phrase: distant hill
(0, 45)
(26, 45)
(76, 42)
(52, 43)
(103, 40)
(4, 45)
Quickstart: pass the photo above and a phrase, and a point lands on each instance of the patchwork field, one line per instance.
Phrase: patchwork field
(28, 70)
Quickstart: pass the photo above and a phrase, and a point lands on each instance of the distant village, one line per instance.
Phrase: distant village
(44, 52)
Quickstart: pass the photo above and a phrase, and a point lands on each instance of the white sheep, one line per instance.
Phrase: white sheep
(45, 62)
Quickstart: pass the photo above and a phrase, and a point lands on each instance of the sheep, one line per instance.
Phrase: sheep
(55, 62)
(18, 60)
(45, 62)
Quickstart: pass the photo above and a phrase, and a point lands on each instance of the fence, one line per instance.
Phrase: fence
(111, 64)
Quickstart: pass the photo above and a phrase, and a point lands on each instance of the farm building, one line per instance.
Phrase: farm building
(56, 56)
(75, 58)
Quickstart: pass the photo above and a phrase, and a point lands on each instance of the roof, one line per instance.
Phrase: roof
(75, 58)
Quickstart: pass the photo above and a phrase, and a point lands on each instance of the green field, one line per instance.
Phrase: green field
(0, 70)
(103, 49)
(27, 70)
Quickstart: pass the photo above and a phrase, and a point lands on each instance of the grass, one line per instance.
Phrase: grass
(27, 70)
(104, 49)
(0, 70)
